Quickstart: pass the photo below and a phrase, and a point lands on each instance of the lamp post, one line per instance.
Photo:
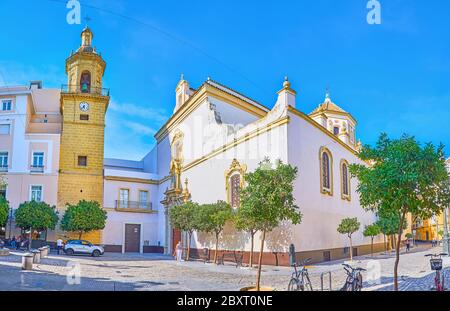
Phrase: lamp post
(446, 238)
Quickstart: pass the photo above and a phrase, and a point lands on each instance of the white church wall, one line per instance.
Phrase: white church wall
(207, 182)
(322, 213)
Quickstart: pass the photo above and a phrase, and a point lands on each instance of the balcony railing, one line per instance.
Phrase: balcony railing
(76, 89)
(133, 205)
(3, 168)
(37, 169)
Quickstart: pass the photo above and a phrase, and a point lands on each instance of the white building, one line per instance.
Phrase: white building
(30, 127)
(213, 138)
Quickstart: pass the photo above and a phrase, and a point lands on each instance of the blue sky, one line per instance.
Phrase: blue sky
(393, 77)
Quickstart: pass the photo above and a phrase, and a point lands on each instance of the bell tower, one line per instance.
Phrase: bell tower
(83, 107)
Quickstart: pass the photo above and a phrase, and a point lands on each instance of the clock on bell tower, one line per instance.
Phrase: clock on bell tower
(84, 103)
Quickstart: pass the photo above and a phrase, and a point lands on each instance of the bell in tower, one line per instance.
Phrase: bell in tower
(85, 68)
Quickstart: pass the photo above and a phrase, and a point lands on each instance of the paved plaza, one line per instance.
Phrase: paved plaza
(125, 272)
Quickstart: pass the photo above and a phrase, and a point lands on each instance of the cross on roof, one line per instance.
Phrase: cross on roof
(87, 19)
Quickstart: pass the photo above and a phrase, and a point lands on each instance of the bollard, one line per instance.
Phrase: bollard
(42, 251)
(37, 256)
(27, 261)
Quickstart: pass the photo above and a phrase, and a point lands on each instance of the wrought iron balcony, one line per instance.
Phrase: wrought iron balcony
(3, 168)
(77, 89)
(134, 206)
(37, 169)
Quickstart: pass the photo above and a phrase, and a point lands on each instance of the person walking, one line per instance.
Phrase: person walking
(18, 242)
(13, 242)
(408, 245)
(178, 252)
(59, 245)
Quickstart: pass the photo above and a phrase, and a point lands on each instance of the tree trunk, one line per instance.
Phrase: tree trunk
(188, 246)
(258, 277)
(371, 248)
(30, 239)
(217, 246)
(385, 245)
(79, 235)
(351, 248)
(397, 249)
(251, 249)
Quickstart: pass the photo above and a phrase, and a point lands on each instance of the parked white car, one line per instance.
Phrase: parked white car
(83, 247)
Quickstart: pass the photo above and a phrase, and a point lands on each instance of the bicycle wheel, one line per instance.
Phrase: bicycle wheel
(294, 285)
(357, 283)
(307, 286)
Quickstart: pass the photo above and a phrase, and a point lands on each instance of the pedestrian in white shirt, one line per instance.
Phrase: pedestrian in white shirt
(59, 245)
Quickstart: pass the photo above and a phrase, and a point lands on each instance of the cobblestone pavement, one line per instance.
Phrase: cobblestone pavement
(157, 272)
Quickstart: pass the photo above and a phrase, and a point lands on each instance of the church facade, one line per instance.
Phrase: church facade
(215, 135)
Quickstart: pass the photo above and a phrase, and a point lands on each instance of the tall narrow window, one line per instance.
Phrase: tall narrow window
(38, 159)
(36, 193)
(345, 181)
(6, 105)
(326, 171)
(143, 199)
(3, 191)
(85, 82)
(3, 161)
(235, 186)
(234, 181)
(124, 197)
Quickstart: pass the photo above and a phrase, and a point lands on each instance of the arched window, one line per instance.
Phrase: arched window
(234, 181)
(85, 82)
(345, 181)
(235, 189)
(326, 171)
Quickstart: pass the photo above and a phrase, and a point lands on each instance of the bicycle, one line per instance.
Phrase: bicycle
(436, 265)
(354, 281)
(300, 278)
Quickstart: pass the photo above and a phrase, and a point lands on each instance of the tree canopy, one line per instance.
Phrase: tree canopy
(371, 230)
(348, 226)
(84, 217)
(402, 176)
(36, 215)
(4, 211)
(268, 197)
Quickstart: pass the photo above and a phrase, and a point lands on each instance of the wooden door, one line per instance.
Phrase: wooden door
(132, 238)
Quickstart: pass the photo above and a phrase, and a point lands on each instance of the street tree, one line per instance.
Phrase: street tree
(35, 216)
(371, 231)
(403, 177)
(269, 200)
(349, 226)
(182, 217)
(243, 222)
(86, 216)
(211, 218)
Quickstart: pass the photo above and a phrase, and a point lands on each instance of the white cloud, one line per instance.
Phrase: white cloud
(139, 128)
(14, 73)
(158, 116)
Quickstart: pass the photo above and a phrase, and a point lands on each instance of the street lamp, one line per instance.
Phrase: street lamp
(446, 238)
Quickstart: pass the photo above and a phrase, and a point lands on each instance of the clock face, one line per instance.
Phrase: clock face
(84, 106)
